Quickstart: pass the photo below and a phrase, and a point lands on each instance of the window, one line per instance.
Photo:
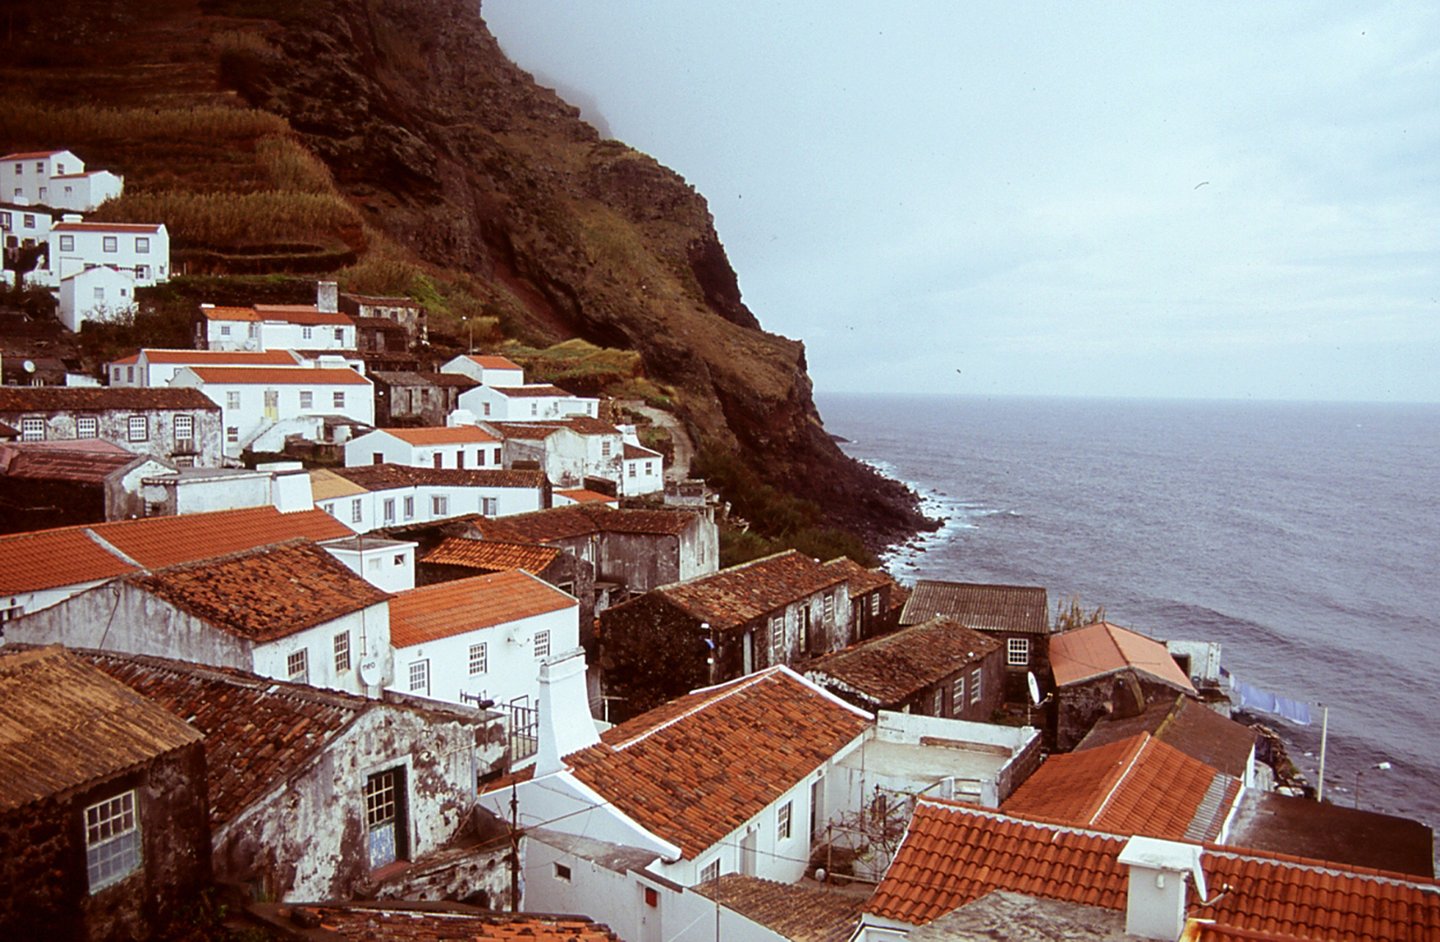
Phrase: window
(67, 243)
(297, 666)
(139, 428)
(5, 221)
(232, 434)
(44, 193)
(829, 607)
(480, 457)
(875, 603)
(232, 399)
(534, 408)
(39, 166)
(385, 816)
(487, 408)
(409, 507)
(184, 430)
(224, 330)
(87, 426)
(460, 458)
(98, 292)
(342, 652)
(339, 334)
(649, 468)
(630, 469)
(438, 459)
(542, 644)
(975, 685)
(400, 559)
(497, 456)
(439, 505)
(479, 658)
(307, 332)
(777, 640)
(110, 244)
(388, 509)
(710, 871)
(782, 824)
(957, 695)
(329, 508)
(562, 872)
(420, 677)
(307, 399)
(937, 702)
(1017, 652)
(605, 448)
(339, 399)
(29, 221)
(356, 515)
(32, 429)
(142, 244)
(489, 506)
(112, 840)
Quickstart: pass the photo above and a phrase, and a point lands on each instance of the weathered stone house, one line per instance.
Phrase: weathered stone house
(181, 426)
(875, 598)
(50, 484)
(1017, 616)
(405, 313)
(103, 830)
(408, 398)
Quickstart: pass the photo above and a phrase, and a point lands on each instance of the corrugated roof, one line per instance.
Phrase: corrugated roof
(379, 477)
(731, 597)
(1103, 648)
(446, 609)
(65, 724)
(492, 555)
(446, 435)
(267, 593)
(95, 398)
(798, 913)
(891, 668)
(695, 769)
(980, 606)
(278, 376)
(156, 542)
(1135, 786)
(954, 854)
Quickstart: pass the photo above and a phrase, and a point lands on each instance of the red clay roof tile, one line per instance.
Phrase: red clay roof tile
(379, 477)
(1103, 648)
(446, 609)
(493, 361)
(448, 435)
(980, 606)
(368, 923)
(889, 669)
(491, 555)
(736, 595)
(47, 559)
(156, 542)
(278, 376)
(83, 398)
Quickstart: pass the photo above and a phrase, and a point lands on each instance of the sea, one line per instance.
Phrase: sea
(1304, 537)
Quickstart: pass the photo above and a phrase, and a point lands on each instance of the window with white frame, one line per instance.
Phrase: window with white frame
(1017, 651)
(630, 469)
(98, 293)
(307, 399)
(87, 426)
(439, 505)
(142, 244)
(356, 513)
(342, 652)
(339, 399)
(32, 429)
(875, 603)
(184, 426)
(138, 428)
(232, 399)
(777, 640)
(829, 607)
(232, 434)
(957, 695)
(409, 508)
(542, 644)
(388, 510)
(479, 658)
(710, 871)
(534, 408)
(605, 448)
(224, 330)
(112, 840)
(782, 822)
(489, 506)
(420, 676)
(110, 244)
(297, 666)
(975, 676)
(937, 702)
(67, 243)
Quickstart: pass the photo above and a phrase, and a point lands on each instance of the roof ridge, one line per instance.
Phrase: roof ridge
(734, 687)
(111, 548)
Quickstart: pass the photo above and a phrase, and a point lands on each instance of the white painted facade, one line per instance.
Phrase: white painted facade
(99, 294)
(523, 404)
(425, 503)
(202, 490)
(471, 448)
(56, 178)
(22, 225)
(275, 327)
(486, 370)
(141, 250)
(154, 367)
(388, 565)
(644, 471)
(253, 400)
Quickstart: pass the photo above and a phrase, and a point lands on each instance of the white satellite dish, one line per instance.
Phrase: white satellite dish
(1034, 687)
(29, 366)
(370, 672)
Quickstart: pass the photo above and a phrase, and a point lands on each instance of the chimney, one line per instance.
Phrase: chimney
(327, 297)
(565, 722)
(1155, 898)
(289, 486)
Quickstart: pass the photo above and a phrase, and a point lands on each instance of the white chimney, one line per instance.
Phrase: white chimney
(565, 722)
(461, 417)
(289, 486)
(327, 297)
(1155, 899)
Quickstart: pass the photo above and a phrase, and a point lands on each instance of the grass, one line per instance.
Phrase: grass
(240, 220)
(78, 125)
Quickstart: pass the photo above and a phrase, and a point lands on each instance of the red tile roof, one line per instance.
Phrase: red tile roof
(637, 453)
(26, 155)
(493, 362)
(888, 670)
(278, 376)
(571, 521)
(302, 314)
(403, 923)
(156, 542)
(379, 477)
(734, 596)
(582, 496)
(794, 912)
(267, 593)
(224, 313)
(446, 609)
(953, 854)
(1135, 786)
(93, 398)
(1103, 648)
(83, 465)
(1020, 608)
(258, 731)
(236, 357)
(105, 227)
(47, 559)
(527, 431)
(492, 555)
(449, 435)
(529, 391)
(862, 580)
(1188, 725)
(585, 425)
(65, 724)
(697, 768)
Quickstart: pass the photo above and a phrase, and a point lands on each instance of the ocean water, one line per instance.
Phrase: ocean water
(1303, 537)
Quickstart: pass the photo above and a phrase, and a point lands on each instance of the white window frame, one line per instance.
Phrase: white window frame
(307, 399)
(109, 244)
(137, 428)
(342, 652)
(112, 840)
(783, 823)
(32, 429)
(777, 640)
(976, 677)
(1017, 652)
(711, 871)
(184, 428)
(67, 243)
(339, 399)
(957, 695)
(439, 505)
(419, 676)
(142, 245)
(297, 666)
(489, 506)
(87, 426)
(542, 644)
(357, 513)
(232, 399)
(479, 659)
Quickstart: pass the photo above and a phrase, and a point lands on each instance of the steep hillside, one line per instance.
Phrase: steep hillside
(443, 163)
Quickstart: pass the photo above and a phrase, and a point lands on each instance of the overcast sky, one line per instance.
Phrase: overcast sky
(1207, 200)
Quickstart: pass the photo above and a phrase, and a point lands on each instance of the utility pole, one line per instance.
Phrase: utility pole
(514, 851)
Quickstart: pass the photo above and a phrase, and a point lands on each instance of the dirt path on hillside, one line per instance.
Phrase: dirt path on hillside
(679, 470)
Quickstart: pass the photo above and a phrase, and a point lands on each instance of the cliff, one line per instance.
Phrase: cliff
(449, 154)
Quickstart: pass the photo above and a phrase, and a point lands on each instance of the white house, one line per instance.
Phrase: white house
(255, 399)
(460, 446)
(569, 450)
(24, 225)
(95, 294)
(534, 402)
(486, 369)
(291, 612)
(141, 250)
(156, 367)
(644, 471)
(481, 638)
(312, 327)
(56, 178)
(386, 564)
(369, 497)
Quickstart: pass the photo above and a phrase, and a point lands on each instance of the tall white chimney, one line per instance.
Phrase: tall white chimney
(327, 297)
(289, 486)
(565, 722)
(1155, 898)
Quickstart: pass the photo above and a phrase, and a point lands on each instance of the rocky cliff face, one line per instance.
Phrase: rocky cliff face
(461, 158)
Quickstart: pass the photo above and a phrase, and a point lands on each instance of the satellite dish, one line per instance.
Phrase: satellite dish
(370, 672)
(1034, 687)
(29, 366)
